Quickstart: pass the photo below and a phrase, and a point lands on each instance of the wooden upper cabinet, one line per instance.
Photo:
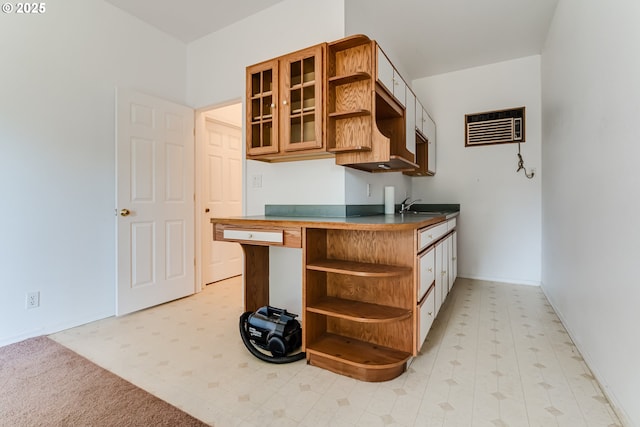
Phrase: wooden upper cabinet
(285, 107)
(301, 90)
(342, 99)
(262, 108)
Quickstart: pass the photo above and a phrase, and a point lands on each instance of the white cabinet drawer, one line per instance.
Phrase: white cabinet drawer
(253, 235)
(426, 314)
(451, 224)
(426, 273)
(290, 237)
(431, 234)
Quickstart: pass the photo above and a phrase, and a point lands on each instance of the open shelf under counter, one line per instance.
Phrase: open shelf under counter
(357, 359)
(358, 311)
(355, 268)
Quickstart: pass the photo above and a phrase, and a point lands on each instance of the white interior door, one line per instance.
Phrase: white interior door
(222, 198)
(154, 201)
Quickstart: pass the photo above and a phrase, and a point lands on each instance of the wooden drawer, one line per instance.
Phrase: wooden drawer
(426, 314)
(451, 224)
(431, 234)
(426, 274)
(256, 235)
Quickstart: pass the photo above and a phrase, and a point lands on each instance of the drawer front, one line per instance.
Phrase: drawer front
(427, 313)
(427, 272)
(431, 234)
(451, 224)
(254, 235)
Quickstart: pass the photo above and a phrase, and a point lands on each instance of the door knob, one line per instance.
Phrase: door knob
(206, 210)
(125, 212)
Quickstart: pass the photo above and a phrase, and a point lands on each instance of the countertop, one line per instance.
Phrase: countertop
(377, 222)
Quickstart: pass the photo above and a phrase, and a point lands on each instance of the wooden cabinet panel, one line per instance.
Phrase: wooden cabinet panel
(302, 101)
(262, 116)
(285, 107)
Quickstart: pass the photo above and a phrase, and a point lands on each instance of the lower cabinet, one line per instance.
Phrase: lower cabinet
(426, 314)
(438, 280)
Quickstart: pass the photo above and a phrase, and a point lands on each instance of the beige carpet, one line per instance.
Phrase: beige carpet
(43, 383)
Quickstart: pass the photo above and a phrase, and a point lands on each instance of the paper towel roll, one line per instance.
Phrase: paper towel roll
(389, 200)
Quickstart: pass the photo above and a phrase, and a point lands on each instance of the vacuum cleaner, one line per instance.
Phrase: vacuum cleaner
(272, 330)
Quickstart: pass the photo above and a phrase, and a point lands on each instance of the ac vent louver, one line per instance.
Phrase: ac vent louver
(495, 127)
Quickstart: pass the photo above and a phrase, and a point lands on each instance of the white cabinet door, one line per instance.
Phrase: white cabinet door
(454, 259)
(426, 273)
(429, 129)
(410, 114)
(439, 277)
(427, 313)
(419, 110)
(444, 271)
(399, 88)
(390, 78)
(385, 71)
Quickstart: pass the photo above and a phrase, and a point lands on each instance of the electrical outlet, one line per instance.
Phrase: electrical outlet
(256, 181)
(33, 299)
(368, 190)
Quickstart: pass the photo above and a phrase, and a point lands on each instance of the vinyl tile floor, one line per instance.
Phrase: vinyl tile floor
(497, 355)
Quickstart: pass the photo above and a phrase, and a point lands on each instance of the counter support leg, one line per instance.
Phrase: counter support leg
(256, 276)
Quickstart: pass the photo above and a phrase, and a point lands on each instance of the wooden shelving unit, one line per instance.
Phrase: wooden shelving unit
(349, 95)
(359, 301)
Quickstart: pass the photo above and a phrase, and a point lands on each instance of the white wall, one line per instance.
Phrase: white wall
(356, 186)
(500, 210)
(59, 72)
(216, 73)
(591, 187)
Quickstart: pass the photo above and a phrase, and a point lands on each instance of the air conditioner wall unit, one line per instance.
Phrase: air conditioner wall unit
(495, 127)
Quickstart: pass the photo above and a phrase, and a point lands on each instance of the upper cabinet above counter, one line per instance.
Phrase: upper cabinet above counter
(342, 99)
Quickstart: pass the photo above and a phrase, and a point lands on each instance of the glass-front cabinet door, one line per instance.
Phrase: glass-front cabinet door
(301, 99)
(262, 108)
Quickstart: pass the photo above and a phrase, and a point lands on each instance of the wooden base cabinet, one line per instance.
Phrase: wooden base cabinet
(359, 298)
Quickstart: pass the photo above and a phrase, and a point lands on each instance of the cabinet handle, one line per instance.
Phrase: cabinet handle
(250, 236)
(429, 313)
(429, 270)
(284, 102)
(430, 236)
(273, 105)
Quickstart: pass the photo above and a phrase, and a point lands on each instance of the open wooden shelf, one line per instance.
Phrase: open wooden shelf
(358, 311)
(355, 268)
(356, 359)
(349, 78)
(348, 114)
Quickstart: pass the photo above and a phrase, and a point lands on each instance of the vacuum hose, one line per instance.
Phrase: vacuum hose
(257, 353)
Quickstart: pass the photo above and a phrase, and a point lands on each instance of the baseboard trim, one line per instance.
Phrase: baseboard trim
(502, 280)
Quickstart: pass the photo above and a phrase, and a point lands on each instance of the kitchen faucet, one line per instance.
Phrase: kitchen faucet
(404, 206)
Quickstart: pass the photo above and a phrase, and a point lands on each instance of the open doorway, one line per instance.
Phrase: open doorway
(219, 174)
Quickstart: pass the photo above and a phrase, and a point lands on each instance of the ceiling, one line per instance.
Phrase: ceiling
(422, 37)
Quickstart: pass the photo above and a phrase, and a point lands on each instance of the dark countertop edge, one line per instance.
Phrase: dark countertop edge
(348, 211)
